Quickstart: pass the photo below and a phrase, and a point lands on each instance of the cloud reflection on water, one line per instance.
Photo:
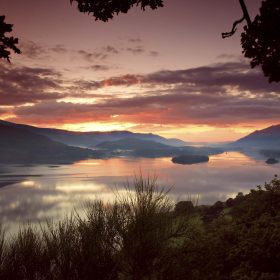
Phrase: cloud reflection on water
(48, 192)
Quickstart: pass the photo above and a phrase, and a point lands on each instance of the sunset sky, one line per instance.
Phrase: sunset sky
(166, 71)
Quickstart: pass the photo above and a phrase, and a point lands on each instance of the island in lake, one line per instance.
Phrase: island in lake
(271, 161)
(190, 159)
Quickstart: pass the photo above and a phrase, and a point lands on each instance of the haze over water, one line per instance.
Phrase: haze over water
(34, 193)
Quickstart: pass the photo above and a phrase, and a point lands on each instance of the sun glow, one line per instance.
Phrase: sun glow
(98, 126)
(7, 116)
(189, 133)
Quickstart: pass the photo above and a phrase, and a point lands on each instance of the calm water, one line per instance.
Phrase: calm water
(33, 193)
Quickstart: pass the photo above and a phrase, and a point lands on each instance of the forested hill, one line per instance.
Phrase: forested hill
(90, 139)
(21, 146)
(265, 138)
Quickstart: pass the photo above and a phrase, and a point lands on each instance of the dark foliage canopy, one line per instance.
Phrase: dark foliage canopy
(7, 43)
(105, 10)
(261, 40)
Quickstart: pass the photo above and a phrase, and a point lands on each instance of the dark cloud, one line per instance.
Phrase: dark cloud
(226, 56)
(136, 50)
(83, 86)
(99, 67)
(61, 112)
(136, 40)
(110, 49)
(154, 53)
(215, 78)
(124, 80)
(98, 55)
(224, 74)
(169, 108)
(32, 50)
(60, 49)
(19, 85)
(221, 94)
(92, 56)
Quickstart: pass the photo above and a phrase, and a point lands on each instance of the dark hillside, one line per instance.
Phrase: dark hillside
(20, 146)
(265, 138)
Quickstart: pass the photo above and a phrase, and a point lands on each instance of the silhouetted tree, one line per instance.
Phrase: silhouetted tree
(106, 9)
(7, 43)
(261, 40)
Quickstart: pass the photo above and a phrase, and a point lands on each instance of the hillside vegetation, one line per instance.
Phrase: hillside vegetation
(93, 138)
(143, 235)
(21, 146)
(268, 138)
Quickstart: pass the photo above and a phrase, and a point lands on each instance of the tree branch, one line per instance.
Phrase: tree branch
(245, 12)
(245, 17)
(233, 30)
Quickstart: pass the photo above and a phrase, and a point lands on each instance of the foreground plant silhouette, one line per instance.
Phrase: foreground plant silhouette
(143, 236)
(129, 239)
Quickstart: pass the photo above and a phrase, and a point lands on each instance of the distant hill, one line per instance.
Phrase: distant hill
(146, 148)
(268, 138)
(131, 144)
(136, 147)
(18, 145)
(90, 139)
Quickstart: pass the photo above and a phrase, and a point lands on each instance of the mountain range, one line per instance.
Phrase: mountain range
(28, 144)
(21, 143)
(90, 139)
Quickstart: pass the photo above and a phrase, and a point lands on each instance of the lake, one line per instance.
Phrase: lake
(36, 192)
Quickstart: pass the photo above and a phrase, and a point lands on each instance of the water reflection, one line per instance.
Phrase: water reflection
(33, 193)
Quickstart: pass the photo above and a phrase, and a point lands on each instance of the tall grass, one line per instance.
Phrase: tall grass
(132, 238)
(149, 231)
